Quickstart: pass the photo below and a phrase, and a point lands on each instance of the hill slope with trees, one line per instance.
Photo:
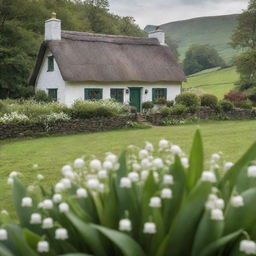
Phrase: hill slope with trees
(215, 31)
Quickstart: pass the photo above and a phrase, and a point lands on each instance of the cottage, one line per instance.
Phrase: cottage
(76, 65)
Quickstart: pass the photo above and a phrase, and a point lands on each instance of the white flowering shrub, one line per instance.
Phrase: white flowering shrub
(146, 202)
(13, 117)
(55, 117)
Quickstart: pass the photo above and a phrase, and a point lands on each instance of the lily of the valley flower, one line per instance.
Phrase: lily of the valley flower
(35, 218)
(237, 201)
(251, 171)
(149, 228)
(208, 176)
(3, 234)
(166, 193)
(61, 234)
(125, 183)
(81, 193)
(217, 214)
(248, 247)
(63, 207)
(125, 225)
(26, 202)
(155, 202)
(43, 246)
(47, 223)
(79, 163)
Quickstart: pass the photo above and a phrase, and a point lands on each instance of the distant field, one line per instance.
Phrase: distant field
(213, 81)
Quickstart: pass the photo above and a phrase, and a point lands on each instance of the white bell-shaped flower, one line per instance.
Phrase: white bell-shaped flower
(61, 234)
(35, 218)
(149, 228)
(125, 225)
(43, 246)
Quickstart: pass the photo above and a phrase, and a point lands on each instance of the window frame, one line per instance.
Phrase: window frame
(51, 90)
(154, 92)
(87, 91)
(50, 67)
(120, 90)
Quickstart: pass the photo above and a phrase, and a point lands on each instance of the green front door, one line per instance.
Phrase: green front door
(135, 98)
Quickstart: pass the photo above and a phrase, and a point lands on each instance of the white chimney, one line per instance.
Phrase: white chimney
(159, 34)
(52, 28)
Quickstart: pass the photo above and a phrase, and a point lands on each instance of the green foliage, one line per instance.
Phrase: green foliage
(161, 101)
(165, 111)
(21, 29)
(247, 104)
(172, 122)
(209, 100)
(169, 103)
(179, 109)
(236, 97)
(245, 37)
(190, 100)
(136, 125)
(173, 45)
(147, 105)
(89, 109)
(198, 216)
(200, 57)
(226, 105)
(41, 96)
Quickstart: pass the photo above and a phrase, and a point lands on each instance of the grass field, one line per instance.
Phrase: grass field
(217, 82)
(51, 153)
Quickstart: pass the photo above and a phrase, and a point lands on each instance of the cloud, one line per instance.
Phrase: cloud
(163, 11)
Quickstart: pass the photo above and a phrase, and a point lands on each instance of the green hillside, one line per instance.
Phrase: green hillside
(213, 81)
(215, 31)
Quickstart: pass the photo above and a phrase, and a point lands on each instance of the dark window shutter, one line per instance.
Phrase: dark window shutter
(165, 93)
(154, 94)
(86, 94)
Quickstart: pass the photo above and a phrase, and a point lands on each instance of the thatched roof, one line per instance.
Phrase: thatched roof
(106, 58)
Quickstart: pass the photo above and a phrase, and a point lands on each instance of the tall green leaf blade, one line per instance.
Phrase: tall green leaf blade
(125, 243)
(215, 246)
(242, 217)
(231, 177)
(76, 254)
(208, 231)
(89, 234)
(186, 222)
(4, 251)
(196, 161)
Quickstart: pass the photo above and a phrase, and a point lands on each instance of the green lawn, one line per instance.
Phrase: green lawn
(51, 153)
(217, 82)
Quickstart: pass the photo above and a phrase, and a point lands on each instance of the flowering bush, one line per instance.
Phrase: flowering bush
(14, 117)
(54, 117)
(236, 97)
(147, 202)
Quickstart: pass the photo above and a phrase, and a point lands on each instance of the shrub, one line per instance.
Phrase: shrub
(133, 109)
(236, 97)
(226, 105)
(178, 109)
(165, 111)
(246, 104)
(209, 100)
(41, 96)
(55, 117)
(147, 105)
(189, 100)
(172, 122)
(103, 111)
(171, 209)
(161, 101)
(14, 117)
(169, 103)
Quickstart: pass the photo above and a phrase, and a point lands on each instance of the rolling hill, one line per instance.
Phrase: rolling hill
(214, 81)
(215, 31)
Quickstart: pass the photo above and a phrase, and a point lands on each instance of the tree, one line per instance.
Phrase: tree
(244, 38)
(21, 32)
(200, 57)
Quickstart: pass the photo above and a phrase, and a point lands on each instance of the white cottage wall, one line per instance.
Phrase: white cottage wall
(74, 91)
(50, 80)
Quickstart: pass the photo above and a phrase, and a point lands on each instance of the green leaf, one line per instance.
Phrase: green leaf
(231, 177)
(24, 213)
(5, 251)
(122, 171)
(185, 224)
(172, 206)
(212, 248)
(208, 231)
(242, 217)
(88, 233)
(76, 254)
(31, 238)
(125, 243)
(196, 161)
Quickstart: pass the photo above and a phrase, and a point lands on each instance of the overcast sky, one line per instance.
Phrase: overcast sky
(157, 12)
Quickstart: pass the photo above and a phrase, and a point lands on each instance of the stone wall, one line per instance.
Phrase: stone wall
(65, 127)
(207, 113)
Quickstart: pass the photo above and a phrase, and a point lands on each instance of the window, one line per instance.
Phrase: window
(117, 94)
(92, 94)
(158, 93)
(53, 94)
(50, 63)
